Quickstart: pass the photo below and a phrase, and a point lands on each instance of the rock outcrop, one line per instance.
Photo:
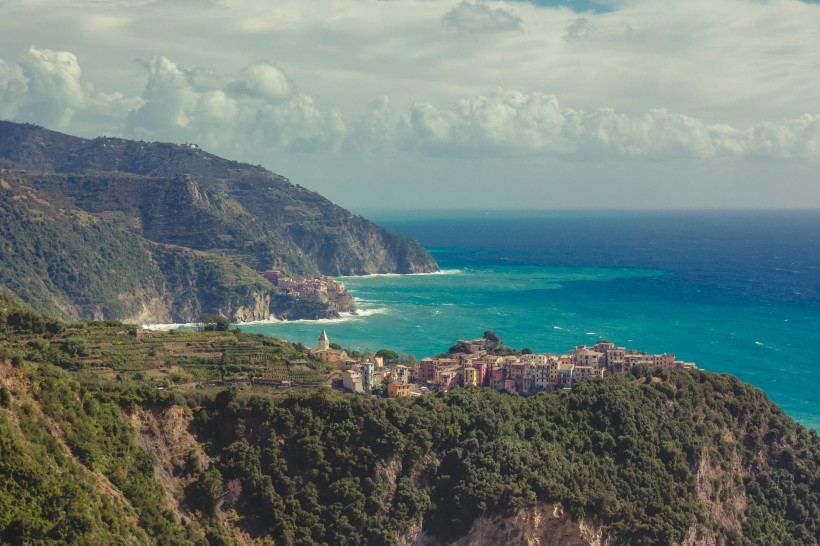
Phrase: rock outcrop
(541, 525)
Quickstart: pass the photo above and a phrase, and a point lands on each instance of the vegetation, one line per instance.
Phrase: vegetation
(213, 323)
(108, 227)
(108, 350)
(390, 357)
(629, 451)
(652, 457)
(491, 337)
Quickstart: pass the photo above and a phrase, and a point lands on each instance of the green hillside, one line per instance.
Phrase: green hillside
(111, 228)
(679, 456)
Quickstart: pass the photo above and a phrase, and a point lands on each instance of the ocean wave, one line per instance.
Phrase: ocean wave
(441, 272)
(370, 312)
(163, 327)
(343, 317)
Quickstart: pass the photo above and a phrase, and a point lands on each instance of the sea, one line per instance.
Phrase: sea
(733, 291)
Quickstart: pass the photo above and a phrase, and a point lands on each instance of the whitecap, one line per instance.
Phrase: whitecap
(343, 317)
(163, 327)
(557, 328)
(441, 272)
(369, 312)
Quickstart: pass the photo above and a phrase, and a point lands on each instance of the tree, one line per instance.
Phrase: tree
(459, 347)
(406, 358)
(213, 323)
(491, 337)
(526, 351)
(390, 357)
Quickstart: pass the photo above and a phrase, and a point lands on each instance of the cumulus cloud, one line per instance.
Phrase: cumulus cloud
(511, 122)
(54, 91)
(46, 87)
(260, 108)
(479, 17)
(265, 80)
(13, 87)
(376, 129)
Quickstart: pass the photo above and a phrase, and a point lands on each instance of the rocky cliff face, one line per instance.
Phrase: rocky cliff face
(541, 525)
(111, 228)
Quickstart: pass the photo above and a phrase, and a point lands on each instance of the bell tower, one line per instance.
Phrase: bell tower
(324, 342)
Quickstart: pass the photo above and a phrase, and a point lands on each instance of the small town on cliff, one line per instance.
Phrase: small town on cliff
(486, 362)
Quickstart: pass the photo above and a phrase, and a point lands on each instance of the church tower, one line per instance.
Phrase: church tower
(324, 342)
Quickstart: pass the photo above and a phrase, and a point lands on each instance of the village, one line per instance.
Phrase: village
(477, 363)
(319, 289)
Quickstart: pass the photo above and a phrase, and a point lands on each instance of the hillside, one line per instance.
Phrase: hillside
(676, 457)
(152, 232)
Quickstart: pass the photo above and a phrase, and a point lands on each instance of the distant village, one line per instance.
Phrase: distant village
(477, 363)
(321, 289)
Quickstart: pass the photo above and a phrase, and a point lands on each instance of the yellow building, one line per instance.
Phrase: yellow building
(396, 389)
(470, 377)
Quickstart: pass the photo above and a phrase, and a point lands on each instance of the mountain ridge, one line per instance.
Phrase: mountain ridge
(181, 204)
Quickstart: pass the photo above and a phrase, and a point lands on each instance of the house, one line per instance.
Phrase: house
(401, 373)
(141, 333)
(367, 373)
(352, 381)
(427, 368)
(471, 377)
(396, 389)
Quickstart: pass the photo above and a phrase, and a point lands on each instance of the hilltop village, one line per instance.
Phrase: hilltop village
(485, 362)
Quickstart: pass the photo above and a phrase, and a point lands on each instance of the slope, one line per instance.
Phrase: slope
(184, 232)
(672, 457)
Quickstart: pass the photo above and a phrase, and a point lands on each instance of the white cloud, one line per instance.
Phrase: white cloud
(46, 87)
(258, 110)
(12, 89)
(480, 17)
(512, 123)
(54, 91)
(376, 130)
(265, 80)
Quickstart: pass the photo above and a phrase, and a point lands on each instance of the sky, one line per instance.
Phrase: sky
(446, 103)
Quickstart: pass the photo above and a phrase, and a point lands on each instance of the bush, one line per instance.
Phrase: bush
(75, 345)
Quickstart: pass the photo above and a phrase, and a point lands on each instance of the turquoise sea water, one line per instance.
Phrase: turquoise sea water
(734, 292)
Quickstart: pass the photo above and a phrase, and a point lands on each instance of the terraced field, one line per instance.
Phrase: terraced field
(187, 357)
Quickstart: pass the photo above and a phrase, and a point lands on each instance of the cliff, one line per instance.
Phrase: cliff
(112, 228)
(540, 525)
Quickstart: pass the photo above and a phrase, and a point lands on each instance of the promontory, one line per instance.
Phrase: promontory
(154, 232)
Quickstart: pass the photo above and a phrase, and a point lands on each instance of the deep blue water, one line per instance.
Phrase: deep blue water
(736, 292)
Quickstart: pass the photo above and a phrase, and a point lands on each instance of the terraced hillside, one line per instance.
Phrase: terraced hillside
(111, 350)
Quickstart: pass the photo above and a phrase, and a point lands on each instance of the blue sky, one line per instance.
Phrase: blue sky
(467, 103)
(598, 6)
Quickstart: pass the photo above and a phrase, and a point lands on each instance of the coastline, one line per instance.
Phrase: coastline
(343, 317)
